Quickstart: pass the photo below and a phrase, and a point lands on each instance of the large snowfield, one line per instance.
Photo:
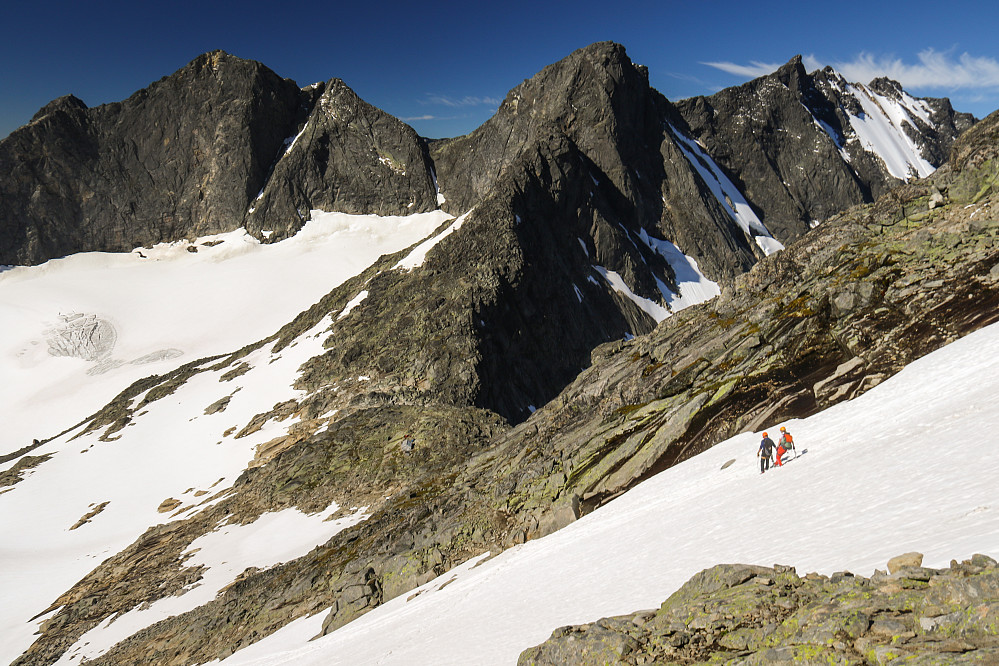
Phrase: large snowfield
(910, 465)
(153, 309)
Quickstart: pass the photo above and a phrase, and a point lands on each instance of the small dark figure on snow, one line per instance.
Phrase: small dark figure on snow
(408, 443)
(784, 444)
(766, 450)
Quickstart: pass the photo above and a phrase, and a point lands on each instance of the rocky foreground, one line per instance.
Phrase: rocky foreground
(743, 614)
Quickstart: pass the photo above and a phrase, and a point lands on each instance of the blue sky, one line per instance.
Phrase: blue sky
(444, 67)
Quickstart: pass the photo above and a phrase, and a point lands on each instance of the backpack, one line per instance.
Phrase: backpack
(786, 441)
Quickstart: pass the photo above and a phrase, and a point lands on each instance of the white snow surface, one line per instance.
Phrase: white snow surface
(890, 472)
(617, 283)
(833, 134)
(880, 130)
(270, 540)
(418, 255)
(164, 453)
(353, 303)
(727, 194)
(694, 286)
(292, 140)
(171, 307)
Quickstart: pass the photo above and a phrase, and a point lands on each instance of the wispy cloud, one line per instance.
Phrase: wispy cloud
(754, 69)
(468, 100)
(426, 117)
(934, 69)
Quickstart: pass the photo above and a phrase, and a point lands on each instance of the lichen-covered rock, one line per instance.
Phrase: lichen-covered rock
(741, 615)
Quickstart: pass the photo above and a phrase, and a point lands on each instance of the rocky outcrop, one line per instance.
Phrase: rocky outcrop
(189, 155)
(738, 614)
(788, 141)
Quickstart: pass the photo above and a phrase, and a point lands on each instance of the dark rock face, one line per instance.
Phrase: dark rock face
(506, 313)
(183, 156)
(348, 157)
(741, 614)
(769, 135)
(188, 155)
(595, 108)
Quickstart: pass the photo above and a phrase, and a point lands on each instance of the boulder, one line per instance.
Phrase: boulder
(905, 560)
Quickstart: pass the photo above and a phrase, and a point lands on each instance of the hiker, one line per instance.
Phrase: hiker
(766, 450)
(784, 444)
(408, 443)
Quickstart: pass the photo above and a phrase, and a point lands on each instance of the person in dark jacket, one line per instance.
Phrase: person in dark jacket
(766, 450)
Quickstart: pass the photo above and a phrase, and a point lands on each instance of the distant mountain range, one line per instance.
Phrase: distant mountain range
(518, 300)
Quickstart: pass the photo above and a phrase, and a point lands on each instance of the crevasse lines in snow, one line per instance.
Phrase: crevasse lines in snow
(158, 305)
(174, 433)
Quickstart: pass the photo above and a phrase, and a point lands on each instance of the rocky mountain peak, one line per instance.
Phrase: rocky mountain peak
(590, 92)
(64, 103)
(803, 146)
(791, 73)
(887, 87)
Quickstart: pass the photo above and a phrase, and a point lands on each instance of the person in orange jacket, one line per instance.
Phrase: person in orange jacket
(785, 444)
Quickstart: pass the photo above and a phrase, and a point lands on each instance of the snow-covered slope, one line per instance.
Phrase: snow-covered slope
(76, 331)
(907, 466)
(883, 126)
(881, 129)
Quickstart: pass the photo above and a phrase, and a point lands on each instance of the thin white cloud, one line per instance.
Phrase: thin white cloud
(934, 69)
(468, 100)
(811, 63)
(753, 70)
(426, 117)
